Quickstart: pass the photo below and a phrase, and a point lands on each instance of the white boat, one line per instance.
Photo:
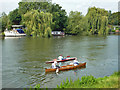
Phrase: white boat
(14, 33)
(57, 33)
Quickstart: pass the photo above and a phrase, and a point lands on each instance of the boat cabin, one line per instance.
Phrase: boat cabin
(18, 28)
(20, 31)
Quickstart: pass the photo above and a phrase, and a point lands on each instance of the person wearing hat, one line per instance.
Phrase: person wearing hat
(75, 62)
(55, 64)
(60, 57)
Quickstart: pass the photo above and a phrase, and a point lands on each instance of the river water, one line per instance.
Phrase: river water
(23, 59)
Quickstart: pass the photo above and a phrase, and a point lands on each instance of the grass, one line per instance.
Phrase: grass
(92, 82)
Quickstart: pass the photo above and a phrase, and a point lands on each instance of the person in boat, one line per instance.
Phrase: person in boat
(55, 64)
(75, 62)
(60, 57)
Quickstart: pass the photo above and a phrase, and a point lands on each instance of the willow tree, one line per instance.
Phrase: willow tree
(38, 23)
(76, 23)
(60, 15)
(97, 20)
(103, 29)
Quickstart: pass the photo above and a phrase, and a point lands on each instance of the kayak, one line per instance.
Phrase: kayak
(67, 67)
(64, 60)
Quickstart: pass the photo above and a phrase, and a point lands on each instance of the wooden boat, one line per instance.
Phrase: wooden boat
(67, 67)
(67, 59)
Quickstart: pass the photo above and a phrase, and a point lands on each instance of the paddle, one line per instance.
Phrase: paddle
(57, 70)
(59, 66)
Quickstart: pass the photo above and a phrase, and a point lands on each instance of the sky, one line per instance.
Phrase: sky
(68, 5)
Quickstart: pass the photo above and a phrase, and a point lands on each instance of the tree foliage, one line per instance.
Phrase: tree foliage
(114, 18)
(3, 22)
(97, 21)
(59, 19)
(38, 23)
(76, 23)
(14, 17)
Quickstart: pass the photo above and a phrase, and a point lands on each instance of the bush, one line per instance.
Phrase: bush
(113, 30)
(88, 80)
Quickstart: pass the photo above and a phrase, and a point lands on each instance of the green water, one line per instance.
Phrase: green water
(23, 59)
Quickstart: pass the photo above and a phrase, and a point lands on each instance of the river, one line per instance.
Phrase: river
(23, 59)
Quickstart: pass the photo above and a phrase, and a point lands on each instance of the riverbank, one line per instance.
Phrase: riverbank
(91, 82)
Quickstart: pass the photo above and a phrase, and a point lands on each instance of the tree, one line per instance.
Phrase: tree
(114, 19)
(14, 17)
(3, 21)
(77, 23)
(97, 20)
(59, 19)
(38, 23)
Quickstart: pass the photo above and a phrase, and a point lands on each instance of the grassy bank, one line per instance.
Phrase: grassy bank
(92, 82)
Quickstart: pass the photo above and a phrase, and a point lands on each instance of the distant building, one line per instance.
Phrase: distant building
(58, 33)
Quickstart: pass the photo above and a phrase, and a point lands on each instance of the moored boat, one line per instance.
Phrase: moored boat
(64, 60)
(14, 33)
(67, 67)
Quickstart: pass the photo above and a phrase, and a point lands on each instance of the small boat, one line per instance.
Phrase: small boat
(64, 60)
(57, 33)
(67, 67)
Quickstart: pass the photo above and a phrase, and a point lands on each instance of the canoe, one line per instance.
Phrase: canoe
(67, 59)
(67, 67)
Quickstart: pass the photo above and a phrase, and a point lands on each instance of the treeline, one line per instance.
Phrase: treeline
(40, 18)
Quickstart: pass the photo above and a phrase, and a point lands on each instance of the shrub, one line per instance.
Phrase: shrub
(113, 30)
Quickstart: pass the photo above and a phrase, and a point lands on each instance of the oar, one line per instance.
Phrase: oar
(57, 70)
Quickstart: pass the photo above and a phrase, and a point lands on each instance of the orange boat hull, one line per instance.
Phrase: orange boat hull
(67, 67)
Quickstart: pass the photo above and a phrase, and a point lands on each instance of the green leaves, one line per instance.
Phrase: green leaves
(15, 17)
(97, 20)
(59, 19)
(77, 23)
(3, 22)
(114, 18)
(38, 23)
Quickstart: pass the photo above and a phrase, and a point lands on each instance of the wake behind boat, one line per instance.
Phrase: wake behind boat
(64, 60)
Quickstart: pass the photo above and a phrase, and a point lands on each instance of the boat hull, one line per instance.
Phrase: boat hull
(13, 34)
(68, 59)
(67, 67)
